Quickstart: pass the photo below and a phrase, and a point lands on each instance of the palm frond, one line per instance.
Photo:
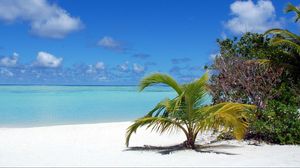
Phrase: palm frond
(263, 61)
(158, 78)
(285, 33)
(158, 124)
(162, 105)
(226, 116)
(292, 8)
(197, 90)
(195, 94)
(288, 43)
(168, 108)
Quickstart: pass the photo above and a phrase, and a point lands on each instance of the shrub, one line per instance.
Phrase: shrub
(279, 122)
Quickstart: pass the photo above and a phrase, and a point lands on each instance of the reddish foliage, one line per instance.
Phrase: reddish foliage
(244, 81)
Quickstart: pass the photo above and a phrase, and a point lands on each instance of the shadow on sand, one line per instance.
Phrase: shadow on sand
(165, 150)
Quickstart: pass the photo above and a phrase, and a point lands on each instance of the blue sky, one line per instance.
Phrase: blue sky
(117, 42)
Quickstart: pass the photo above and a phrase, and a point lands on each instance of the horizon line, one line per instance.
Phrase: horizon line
(65, 85)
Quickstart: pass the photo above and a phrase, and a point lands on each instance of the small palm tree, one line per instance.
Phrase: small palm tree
(188, 112)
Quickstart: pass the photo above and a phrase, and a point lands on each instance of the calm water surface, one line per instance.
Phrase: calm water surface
(26, 106)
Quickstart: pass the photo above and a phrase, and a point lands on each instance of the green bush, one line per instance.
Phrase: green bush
(279, 122)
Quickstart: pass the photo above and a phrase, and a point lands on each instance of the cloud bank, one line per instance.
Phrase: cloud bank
(45, 19)
(48, 69)
(9, 61)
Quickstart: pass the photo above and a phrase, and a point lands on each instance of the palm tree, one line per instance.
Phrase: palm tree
(288, 40)
(187, 111)
(285, 38)
(291, 8)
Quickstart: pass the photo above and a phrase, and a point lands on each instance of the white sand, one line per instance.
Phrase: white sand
(103, 145)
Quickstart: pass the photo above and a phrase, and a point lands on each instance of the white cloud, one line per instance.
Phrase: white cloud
(9, 61)
(45, 19)
(15, 54)
(93, 69)
(100, 66)
(48, 60)
(223, 35)
(251, 17)
(111, 44)
(124, 66)
(90, 69)
(213, 56)
(138, 68)
(102, 78)
(6, 72)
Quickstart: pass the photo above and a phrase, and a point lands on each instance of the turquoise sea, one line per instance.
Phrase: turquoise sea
(27, 106)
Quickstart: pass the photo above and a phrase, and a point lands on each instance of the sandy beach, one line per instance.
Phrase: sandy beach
(103, 145)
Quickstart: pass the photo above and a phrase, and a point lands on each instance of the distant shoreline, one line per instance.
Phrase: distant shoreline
(69, 85)
(57, 85)
(40, 125)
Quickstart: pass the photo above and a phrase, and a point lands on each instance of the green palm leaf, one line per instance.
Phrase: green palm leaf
(288, 43)
(284, 33)
(160, 79)
(227, 115)
(292, 8)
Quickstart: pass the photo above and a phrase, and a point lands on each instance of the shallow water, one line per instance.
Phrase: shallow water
(26, 106)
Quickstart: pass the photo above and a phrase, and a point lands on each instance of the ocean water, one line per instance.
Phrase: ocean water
(27, 106)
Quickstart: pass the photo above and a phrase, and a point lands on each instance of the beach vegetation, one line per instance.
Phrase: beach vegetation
(263, 70)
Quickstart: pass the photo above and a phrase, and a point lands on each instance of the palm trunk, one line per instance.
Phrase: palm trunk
(190, 142)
